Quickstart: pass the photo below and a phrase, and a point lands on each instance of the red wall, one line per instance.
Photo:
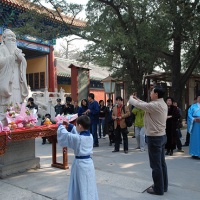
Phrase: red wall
(98, 94)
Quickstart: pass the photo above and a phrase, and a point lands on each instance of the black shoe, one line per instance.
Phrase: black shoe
(165, 190)
(167, 153)
(180, 150)
(125, 151)
(195, 157)
(95, 145)
(43, 143)
(110, 144)
(115, 151)
(171, 153)
(151, 191)
(185, 145)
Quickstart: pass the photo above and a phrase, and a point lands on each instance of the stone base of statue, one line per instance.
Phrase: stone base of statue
(19, 157)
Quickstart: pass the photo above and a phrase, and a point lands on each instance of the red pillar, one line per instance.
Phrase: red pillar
(52, 71)
(74, 82)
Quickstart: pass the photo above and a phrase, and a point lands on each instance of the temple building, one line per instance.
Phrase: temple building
(38, 52)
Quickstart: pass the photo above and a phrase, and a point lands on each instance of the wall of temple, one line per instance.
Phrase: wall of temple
(36, 73)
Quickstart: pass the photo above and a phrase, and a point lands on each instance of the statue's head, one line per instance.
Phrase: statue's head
(8, 37)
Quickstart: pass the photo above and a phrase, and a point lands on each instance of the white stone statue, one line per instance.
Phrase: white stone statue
(13, 84)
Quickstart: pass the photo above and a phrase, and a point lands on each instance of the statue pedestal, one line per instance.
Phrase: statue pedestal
(19, 157)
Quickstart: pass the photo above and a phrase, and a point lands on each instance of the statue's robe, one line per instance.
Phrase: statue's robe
(13, 84)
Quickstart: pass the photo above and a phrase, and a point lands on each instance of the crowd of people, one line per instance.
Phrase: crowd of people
(109, 119)
(104, 118)
(157, 124)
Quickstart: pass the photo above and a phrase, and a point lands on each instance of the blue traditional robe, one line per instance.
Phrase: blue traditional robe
(82, 180)
(194, 129)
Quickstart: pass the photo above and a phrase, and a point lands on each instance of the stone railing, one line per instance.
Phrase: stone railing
(47, 100)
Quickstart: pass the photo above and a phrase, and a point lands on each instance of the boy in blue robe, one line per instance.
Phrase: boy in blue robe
(82, 180)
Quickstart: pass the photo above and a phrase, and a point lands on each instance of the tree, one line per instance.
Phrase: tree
(179, 25)
(67, 50)
(121, 33)
(48, 23)
(123, 39)
(140, 35)
(132, 37)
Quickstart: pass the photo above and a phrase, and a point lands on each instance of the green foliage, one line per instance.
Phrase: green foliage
(133, 37)
(46, 23)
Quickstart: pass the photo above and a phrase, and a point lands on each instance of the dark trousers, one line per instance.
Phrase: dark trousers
(156, 149)
(93, 130)
(101, 127)
(44, 140)
(178, 140)
(187, 142)
(112, 137)
(118, 132)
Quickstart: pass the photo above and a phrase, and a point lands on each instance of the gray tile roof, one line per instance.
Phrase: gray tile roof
(96, 72)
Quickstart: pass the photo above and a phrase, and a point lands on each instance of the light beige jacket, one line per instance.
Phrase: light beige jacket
(123, 115)
(155, 115)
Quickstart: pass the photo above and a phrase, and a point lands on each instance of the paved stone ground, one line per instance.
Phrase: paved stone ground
(119, 176)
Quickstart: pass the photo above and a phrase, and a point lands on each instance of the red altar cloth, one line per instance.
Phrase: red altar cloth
(24, 133)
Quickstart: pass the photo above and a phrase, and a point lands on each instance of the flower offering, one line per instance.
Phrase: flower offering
(67, 118)
(19, 116)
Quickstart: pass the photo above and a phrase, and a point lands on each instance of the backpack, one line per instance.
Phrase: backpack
(129, 120)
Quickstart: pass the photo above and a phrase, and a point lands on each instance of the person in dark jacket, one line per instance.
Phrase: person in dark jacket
(109, 123)
(102, 111)
(42, 123)
(178, 129)
(76, 107)
(84, 106)
(59, 108)
(31, 105)
(68, 108)
(171, 126)
(93, 113)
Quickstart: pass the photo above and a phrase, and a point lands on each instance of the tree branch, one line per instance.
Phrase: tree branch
(191, 67)
(116, 9)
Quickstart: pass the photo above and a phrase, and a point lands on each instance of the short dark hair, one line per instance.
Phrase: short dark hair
(31, 99)
(101, 101)
(109, 100)
(91, 95)
(69, 99)
(84, 121)
(58, 100)
(171, 99)
(48, 115)
(159, 90)
(119, 98)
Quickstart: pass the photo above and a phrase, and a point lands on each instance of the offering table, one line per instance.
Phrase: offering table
(20, 135)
